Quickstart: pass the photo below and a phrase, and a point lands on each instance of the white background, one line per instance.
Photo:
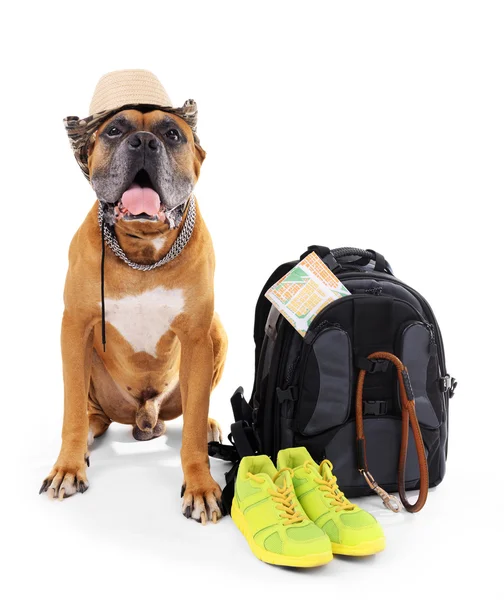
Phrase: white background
(371, 124)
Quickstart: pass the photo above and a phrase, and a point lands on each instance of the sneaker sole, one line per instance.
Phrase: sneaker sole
(362, 549)
(310, 560)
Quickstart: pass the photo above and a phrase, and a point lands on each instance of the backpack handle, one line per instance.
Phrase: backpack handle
(368, 255)
(330, 257)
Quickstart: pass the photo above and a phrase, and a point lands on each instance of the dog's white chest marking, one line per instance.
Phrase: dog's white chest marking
(143, 319)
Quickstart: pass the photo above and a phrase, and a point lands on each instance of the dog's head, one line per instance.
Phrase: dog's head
(144, 165)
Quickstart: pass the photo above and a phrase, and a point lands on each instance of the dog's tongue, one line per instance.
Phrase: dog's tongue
(138, 200)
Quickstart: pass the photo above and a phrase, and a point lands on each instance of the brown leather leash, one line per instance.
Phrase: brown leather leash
(408, 415)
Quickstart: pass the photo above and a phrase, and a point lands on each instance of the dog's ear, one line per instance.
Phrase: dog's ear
(200, 153)
(199, 157)
(90, 148)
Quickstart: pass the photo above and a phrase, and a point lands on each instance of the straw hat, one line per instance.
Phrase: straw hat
(116, 91)
(132, 86)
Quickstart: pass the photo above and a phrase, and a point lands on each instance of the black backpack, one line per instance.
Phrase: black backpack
(305, 388)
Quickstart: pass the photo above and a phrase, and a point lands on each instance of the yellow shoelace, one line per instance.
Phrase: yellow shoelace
(285, 498)
(330, 486)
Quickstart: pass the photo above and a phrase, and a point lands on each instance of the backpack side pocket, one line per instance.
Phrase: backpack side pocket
(325, 382)
(418, 353)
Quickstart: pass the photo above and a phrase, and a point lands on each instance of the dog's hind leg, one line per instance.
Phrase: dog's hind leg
(97, 427)
(220, 346)
(99, 422)
(214, 432)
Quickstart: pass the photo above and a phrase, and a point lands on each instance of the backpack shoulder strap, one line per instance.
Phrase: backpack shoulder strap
(262, 309)
(243, 443)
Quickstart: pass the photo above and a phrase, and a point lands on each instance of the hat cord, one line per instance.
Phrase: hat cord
(109, 239)
(104, 340)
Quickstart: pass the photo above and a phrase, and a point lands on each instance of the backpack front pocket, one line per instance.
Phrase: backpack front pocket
(383, 443)
(325, 385)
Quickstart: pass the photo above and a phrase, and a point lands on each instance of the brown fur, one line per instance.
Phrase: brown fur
(134, 387)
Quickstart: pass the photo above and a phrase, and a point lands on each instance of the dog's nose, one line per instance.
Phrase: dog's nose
(143, 139)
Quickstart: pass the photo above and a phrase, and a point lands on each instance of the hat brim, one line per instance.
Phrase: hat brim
(79, 131)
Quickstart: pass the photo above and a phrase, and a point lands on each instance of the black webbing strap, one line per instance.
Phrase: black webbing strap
(228, 490)
(322, 251)
(325, 254)
(380, 262)
(223, 451)
(243, 443)
(241, 408)
(243, 438)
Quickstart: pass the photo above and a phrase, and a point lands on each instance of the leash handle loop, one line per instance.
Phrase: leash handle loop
(408, 415)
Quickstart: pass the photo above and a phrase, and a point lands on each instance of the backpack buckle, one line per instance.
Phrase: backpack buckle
(373, 365)
(287, 394)
(448, 384)
(223, 452)
(376, 408)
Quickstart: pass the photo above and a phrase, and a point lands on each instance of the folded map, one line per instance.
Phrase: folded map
(304, 291)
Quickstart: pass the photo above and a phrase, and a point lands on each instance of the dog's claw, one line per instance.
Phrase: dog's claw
(201, 503)
(182, 491)
(87, 460)
(65, 482)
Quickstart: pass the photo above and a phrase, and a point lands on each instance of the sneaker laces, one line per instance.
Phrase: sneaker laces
(329, 485)
(285, 498)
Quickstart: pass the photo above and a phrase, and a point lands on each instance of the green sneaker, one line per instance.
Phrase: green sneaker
(266, 511)
(352, 531)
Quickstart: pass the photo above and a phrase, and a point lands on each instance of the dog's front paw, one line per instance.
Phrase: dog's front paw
(201, 499)
(66, 478)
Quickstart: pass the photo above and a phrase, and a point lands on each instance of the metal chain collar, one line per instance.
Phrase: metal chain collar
(178, 245)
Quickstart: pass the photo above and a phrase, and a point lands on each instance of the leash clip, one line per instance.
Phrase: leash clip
(389, 501)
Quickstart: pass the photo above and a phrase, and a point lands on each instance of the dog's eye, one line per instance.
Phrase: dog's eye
(113, 131)
(173, 135)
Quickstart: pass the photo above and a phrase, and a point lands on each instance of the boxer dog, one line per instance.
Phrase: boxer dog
(165, 346)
